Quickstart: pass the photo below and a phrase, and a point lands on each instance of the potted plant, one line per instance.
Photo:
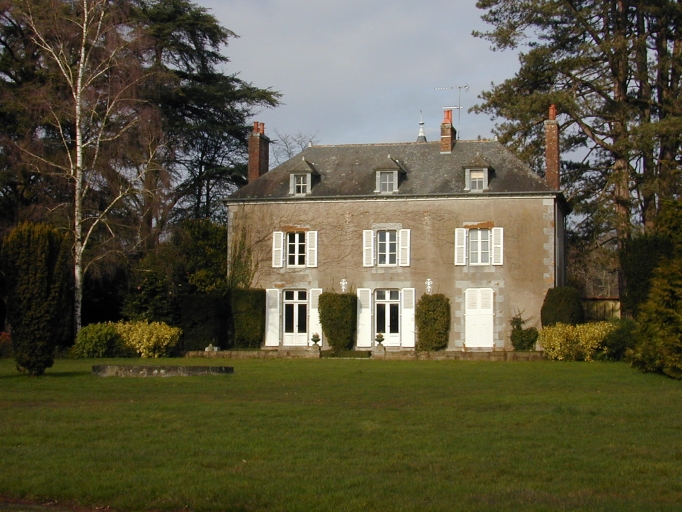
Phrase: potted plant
(379, 338)
(315, 338)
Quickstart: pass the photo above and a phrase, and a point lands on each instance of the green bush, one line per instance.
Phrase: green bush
(338, 316)
(154, 339)
(34, 261)
(562, 305)
(99, 340)
(432, 316)
(522, 339)
(248, 317)
(660, 324)
(639, 257)
(582, 342)
(621, 339)
(204, 319)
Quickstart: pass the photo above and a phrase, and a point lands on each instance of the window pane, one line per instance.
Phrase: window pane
(289, 317)
(381, 318)
(288, 295)
(302, 295)
(394, 318)
(302, 318)
(394, 295)
(381, 295)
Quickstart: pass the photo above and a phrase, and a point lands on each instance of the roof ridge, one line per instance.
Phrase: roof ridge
(367, 144)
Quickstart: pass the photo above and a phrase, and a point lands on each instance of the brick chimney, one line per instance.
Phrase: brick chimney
(552, 167)
(448, 134)
(259, 152)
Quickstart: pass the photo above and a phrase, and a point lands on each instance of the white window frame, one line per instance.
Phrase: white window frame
(299, 248)
(295, 186)
(479, 247)
(387, 244)
(391, 185)
(280, 249)
(467, 184)
(370, 248)
(495, 247)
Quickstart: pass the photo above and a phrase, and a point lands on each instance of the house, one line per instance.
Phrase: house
(390, 222)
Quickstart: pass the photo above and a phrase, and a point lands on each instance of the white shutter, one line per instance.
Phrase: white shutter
(311, 248)
(485, 305)
(272, 318)
(277, 249)
(498, 242)
(460, 246)
(314, 325)
(404, 248)
(368, 248)
(378, 187)
(407, 327)
(364, 318)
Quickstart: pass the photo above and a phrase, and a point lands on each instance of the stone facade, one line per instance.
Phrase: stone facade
(391, 222)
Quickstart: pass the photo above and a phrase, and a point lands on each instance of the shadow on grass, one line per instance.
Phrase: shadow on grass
(46, 375)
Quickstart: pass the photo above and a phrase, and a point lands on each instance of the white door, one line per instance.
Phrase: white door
(295, 318)
(387, 316)
(479, 318)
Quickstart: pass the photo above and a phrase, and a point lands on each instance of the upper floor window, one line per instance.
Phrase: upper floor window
(479, 246)
(386, 247)
(476, 180)
(294, 249)
(299, 184)
(387, 182)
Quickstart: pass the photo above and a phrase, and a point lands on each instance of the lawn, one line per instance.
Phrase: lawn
(345, 435)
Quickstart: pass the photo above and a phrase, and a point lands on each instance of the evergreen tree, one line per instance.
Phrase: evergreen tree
(34, 261)
(613, 69)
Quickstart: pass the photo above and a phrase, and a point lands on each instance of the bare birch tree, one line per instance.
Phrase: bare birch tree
(91, 52)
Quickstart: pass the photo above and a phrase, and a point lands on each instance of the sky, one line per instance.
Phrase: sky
(360, 71)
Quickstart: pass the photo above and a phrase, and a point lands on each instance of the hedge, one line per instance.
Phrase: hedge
(338, 316)
(248, 317)
(562, 305)
(204, 320)
(432, 316)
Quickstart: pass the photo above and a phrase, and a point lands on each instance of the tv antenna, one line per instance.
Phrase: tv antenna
(459, 100)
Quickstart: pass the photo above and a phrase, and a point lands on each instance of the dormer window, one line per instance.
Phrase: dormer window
(301, 178)
(389, 174)
(299, 184)
(477, 175)
(387, 182)
(476, 180)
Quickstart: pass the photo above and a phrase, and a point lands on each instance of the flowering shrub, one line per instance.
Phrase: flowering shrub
(575, 342)
(5, 344)
(149, 339)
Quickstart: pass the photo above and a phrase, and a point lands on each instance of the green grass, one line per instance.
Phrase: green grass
(345, 435)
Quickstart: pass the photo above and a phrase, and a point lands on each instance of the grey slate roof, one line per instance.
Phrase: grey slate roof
(350, 170)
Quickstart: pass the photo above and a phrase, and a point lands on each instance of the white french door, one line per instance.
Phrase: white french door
(387, 316)
(295, 318)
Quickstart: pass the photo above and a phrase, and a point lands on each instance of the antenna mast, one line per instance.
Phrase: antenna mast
(459, 100)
